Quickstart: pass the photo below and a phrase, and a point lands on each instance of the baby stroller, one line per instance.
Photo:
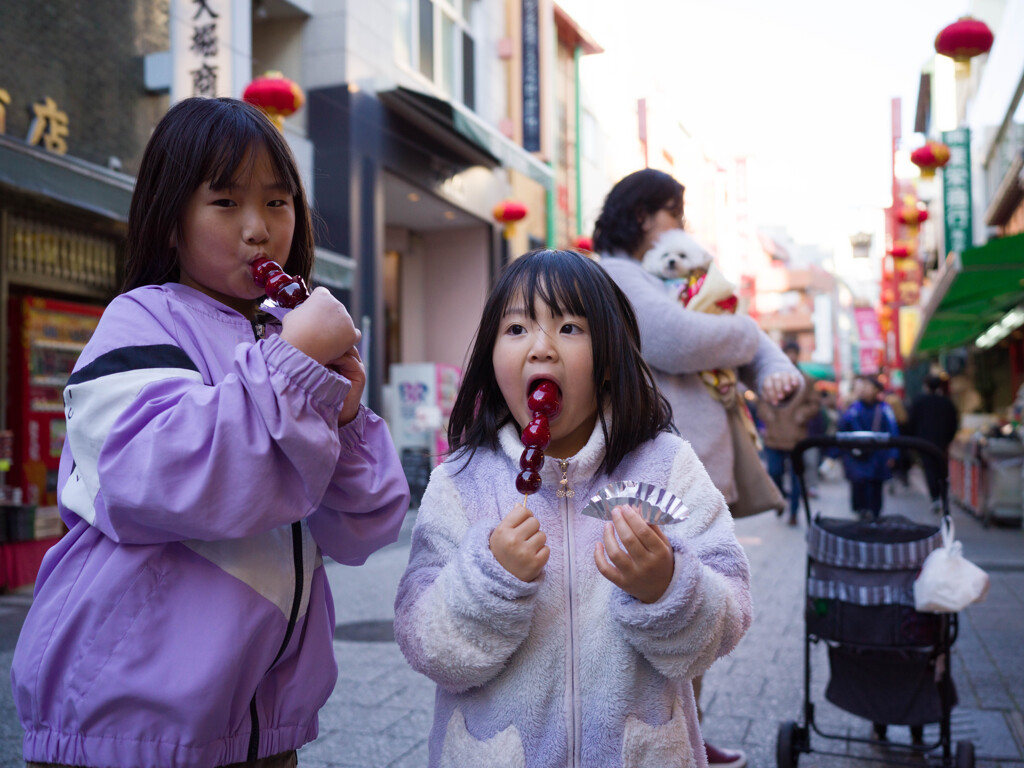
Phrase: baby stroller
(889, 663)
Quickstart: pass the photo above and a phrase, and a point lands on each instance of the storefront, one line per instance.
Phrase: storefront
(61, 228)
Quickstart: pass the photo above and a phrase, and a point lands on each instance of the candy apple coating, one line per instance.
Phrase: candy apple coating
(279, 286)
(537, 433)
(532, 458)
(545, 399)
(528, 481)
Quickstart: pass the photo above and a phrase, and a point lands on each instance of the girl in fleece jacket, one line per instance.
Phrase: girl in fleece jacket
(212, 455)
(557, 639)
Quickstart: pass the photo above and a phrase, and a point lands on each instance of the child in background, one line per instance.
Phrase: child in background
(556, 638)
(212, 456)
(867, 471)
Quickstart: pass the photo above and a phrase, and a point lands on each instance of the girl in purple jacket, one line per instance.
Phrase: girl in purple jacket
(557, 639)
(214, 453)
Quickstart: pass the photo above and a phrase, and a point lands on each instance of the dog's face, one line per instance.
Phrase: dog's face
(676, 254)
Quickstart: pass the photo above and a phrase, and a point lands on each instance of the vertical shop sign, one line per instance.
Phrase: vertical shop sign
(531, 75)
(870, 335)
(956, 189)
(200, 48)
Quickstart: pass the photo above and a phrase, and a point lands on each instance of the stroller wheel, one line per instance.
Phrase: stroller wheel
(789, 744)
(965, 754)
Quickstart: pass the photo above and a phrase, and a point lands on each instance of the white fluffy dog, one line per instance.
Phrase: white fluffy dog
(676, 254)
(689, 273)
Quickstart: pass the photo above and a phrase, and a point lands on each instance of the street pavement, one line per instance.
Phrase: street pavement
(380, 711)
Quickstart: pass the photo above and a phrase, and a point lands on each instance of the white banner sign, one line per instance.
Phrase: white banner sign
(201, 48)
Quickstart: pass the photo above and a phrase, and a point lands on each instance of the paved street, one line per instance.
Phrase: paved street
(380, 711)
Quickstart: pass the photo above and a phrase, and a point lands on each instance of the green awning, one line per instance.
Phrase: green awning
(975, 289)
(819, 371)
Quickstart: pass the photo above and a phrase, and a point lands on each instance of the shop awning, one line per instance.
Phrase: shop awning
(974, 290)
(67, 179)
(461, 131)
(819, 371)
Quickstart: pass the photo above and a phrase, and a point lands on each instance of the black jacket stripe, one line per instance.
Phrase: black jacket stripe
(133, 359)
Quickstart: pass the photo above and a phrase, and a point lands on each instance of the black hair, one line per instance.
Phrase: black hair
(627, 206)
(568, 283)
(204, 141)
(934, 383)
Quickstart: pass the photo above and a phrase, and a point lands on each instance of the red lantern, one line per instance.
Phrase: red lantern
(583, 243)
(902, 249)
(912, 216)
(508, 212)
(276, 95)
(964, 39)
(932, 155)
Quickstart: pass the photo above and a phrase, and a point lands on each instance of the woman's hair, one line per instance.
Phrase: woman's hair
(204, 141)
(567, 283)
(630, 202)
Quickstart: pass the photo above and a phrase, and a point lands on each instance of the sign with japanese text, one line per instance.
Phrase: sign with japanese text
(956, 189)
(49, 128)
(870, 336)
(531, 75)
(201, 48)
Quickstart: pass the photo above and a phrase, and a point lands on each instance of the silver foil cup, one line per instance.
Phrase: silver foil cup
(655, 505)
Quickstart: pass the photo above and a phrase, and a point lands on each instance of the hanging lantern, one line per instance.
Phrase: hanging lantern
(903, 249)
(583, 243)
(276, 95)
(964, 39)
(932, 155)
(912, 216)
(508, 212)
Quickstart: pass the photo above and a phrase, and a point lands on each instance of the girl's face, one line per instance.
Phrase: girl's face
(225, 230)
(556, 347)
(655, 223)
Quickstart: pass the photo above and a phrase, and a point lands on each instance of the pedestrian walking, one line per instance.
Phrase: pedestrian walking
(679, 344)
(213, 454)
(556, 638)
(785, 425)
(867, 471)
(934, 417)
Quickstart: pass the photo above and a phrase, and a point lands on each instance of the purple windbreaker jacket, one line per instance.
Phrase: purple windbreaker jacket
(185, 619)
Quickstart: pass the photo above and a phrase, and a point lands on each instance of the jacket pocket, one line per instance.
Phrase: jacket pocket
(658, 746)
(106, 637)
(461, 749)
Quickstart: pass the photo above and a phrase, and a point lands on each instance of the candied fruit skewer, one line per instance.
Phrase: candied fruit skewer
(544, 403)
(279, 286)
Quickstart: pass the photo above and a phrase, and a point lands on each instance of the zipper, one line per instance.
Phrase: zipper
(258, 330)
(565, 493)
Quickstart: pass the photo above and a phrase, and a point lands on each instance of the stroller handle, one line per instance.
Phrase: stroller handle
(871, 441)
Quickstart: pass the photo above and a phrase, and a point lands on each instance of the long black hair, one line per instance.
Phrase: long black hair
(620, 227)
(204, 141)
(568, 283)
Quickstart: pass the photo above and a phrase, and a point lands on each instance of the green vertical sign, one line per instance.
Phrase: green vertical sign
(956, 189)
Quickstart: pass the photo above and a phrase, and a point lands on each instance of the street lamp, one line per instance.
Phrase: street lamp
(861, 244)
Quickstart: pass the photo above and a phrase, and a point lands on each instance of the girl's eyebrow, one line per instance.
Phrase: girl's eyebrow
(517, 311)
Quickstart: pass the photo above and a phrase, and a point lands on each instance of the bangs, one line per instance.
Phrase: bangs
(232, 153)
(559, 283)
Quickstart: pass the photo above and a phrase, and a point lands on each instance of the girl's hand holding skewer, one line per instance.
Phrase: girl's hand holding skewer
(321, 327)
(643, 565)
(520, 545)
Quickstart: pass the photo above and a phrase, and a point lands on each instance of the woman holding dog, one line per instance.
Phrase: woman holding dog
(680, 344)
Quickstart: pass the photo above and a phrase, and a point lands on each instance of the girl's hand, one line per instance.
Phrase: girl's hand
(350, 365)
(321, 327)
(644, 570)
(519, 544)
(778, 386)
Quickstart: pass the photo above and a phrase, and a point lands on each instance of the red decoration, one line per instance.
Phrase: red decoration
(276, 95)
(508, 212)
(583, 243)
(902, 249)
(932, 155)
(964, 39)
(912, 216)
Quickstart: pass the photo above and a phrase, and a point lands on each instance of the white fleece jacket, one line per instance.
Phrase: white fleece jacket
(567, 670)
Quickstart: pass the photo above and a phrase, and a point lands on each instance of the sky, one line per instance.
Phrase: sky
(801, 87)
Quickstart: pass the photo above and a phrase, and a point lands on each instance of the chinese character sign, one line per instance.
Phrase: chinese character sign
(956, 188)
(201, 48)
(870, 336)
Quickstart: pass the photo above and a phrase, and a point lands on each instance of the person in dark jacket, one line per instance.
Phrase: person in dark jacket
(934, 417)
(866, 470)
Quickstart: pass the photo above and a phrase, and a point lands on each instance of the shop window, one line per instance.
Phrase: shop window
(434, 38)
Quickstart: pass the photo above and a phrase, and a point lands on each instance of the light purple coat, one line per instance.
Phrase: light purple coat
(566, 670)
(185, 618)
